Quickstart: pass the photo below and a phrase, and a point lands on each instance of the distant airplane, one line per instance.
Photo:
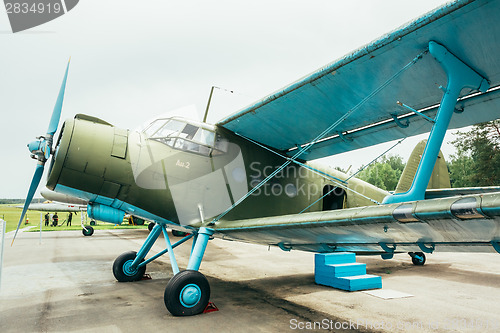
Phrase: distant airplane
(58, 202)
(250, 177)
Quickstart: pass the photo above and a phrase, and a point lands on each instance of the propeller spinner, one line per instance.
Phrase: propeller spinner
(41, 149)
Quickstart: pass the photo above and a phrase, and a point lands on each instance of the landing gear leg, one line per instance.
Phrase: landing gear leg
(188, 292)
(417, 258)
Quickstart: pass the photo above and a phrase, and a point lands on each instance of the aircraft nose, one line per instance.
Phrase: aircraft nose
(89, 152)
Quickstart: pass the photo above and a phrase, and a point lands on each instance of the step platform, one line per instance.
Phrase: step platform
(341, 271)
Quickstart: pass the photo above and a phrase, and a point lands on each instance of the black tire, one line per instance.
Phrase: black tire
(196, 290)
(88, 232)
(151, 225)
(92, 222)
(138, 221)
(177, 233)
(121, 271)
(420, 261)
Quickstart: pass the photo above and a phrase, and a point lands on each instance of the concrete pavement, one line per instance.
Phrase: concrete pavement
(66, 285)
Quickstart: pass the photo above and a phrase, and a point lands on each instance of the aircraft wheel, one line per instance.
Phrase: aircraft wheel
(418, 258)
(187, 293)
(122, 270)
(138, 221)
(151, 225)
(88, 232)
(92, 222)
(177, 233)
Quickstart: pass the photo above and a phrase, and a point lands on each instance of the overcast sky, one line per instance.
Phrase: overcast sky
(132, 61)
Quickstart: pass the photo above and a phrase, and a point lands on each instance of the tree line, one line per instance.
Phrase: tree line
(475, 163)
(18, 201)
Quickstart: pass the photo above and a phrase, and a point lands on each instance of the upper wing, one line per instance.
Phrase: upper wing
(298, 113)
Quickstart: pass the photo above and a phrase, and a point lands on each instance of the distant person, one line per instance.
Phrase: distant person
(55, 220)
(47, 217)
(70, 217)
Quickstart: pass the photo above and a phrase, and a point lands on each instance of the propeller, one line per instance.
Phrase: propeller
(41, 149)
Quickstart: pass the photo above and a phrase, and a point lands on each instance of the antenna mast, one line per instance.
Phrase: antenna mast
(208, 104)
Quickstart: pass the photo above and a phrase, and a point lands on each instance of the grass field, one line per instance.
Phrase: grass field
(11, 215)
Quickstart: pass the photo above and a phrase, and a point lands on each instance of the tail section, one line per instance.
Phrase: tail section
(439, 179)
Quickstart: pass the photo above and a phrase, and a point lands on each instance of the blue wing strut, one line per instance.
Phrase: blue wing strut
(459, 76)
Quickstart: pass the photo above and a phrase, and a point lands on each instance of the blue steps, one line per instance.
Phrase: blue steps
(341, 271)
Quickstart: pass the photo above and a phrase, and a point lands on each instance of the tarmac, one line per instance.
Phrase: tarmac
(65, 284)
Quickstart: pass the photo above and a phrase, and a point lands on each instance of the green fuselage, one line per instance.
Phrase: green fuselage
(181, 179)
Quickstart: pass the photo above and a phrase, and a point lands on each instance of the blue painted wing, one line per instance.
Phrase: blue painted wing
(296, 114)
(453, 224)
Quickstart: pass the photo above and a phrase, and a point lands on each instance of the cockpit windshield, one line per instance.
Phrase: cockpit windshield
(186, 135)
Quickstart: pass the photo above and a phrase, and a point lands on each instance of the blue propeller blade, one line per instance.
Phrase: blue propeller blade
(31, 192)
(56, 114)
(42, 149)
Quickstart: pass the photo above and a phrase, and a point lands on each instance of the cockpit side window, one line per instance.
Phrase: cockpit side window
(188, 132)
(185, 136)
(154, 126)
(170, 129)
(205, 137)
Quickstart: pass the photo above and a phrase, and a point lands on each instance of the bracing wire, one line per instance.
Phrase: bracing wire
(304, 148)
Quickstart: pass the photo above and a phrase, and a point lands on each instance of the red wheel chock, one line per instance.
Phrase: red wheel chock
(211, 307)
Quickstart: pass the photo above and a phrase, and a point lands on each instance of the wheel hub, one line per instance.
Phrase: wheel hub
(127, 268)
(190, 295)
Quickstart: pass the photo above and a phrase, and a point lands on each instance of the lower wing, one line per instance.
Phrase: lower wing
(454, 224)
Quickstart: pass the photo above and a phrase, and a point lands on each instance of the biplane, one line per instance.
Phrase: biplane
(251, 177)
